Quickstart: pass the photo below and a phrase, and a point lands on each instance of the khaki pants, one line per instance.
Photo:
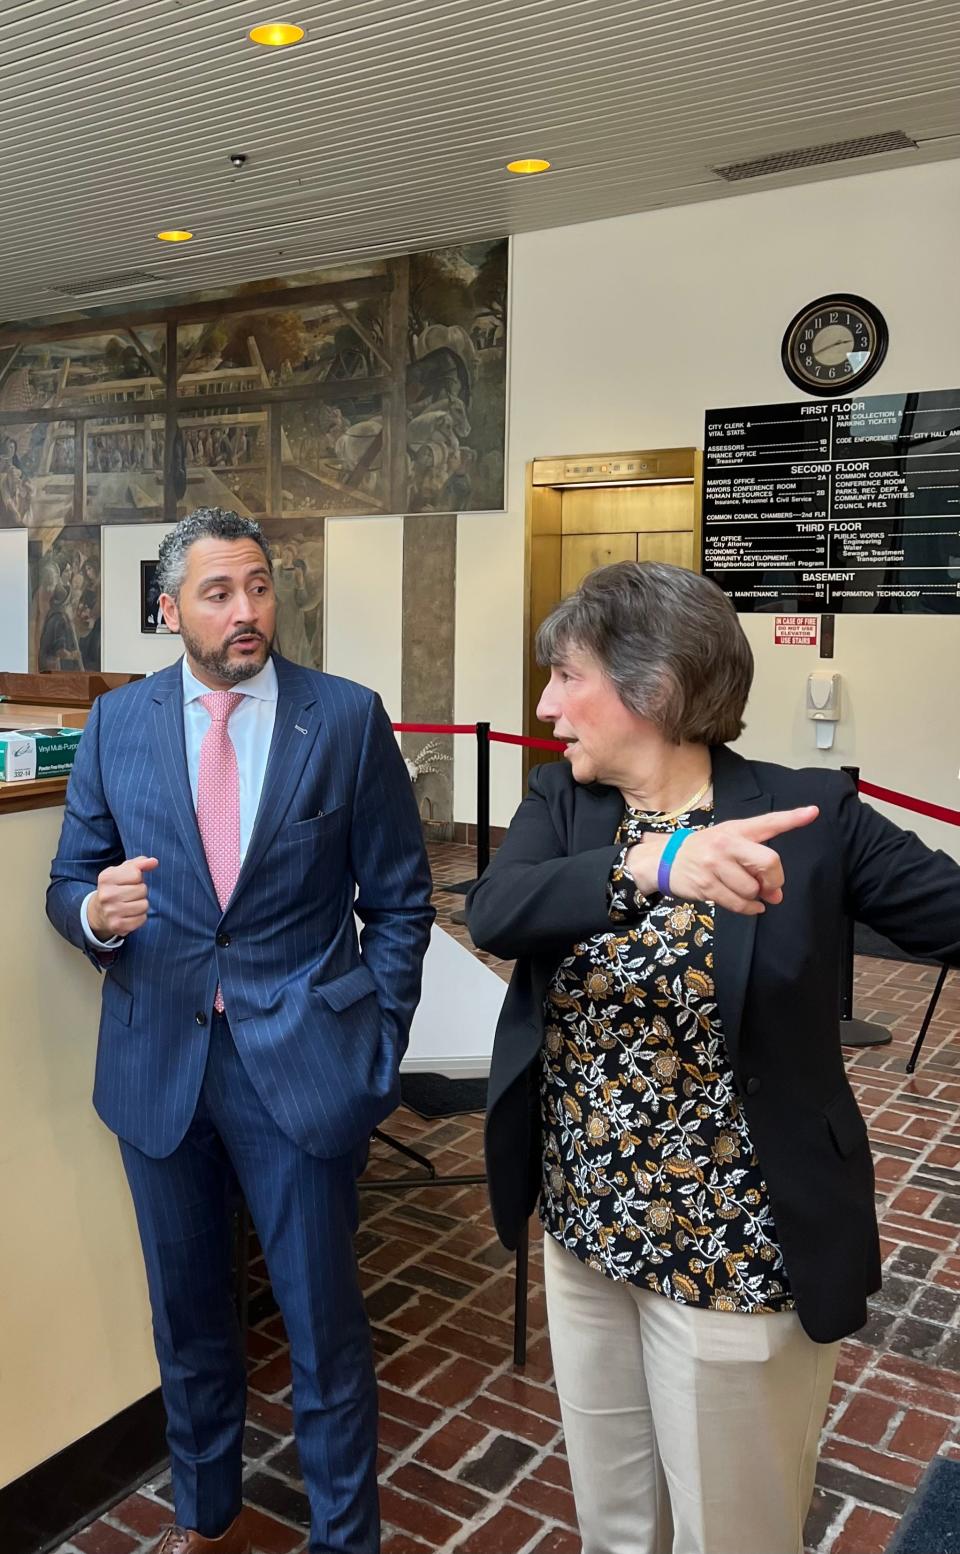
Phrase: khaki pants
(688, 1431)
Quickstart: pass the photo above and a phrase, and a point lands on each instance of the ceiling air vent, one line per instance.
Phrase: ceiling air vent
(124, 280)
(816, 156)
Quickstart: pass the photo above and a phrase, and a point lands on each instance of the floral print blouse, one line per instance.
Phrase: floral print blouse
(649, 1172)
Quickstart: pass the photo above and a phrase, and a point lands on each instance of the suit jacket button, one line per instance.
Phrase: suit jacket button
(223, 941)
(752, 1085)
(200, 1017)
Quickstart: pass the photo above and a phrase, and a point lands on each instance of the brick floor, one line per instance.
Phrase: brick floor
(472, 1452)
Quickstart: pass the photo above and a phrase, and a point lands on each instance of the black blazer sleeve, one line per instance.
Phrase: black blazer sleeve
(897, 885)
(533, 896)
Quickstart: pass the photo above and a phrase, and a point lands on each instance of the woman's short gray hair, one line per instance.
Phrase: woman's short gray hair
(207, 523)
(669, 640)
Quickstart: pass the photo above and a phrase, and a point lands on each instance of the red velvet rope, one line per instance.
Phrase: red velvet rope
(531, 744)
(434, 728)
(869, 789)
(904, 801)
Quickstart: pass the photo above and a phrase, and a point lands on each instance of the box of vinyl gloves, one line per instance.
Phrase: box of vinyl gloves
(27, 753)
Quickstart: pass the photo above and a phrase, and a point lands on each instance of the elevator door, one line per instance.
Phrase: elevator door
(582, 553)
(652, 515)
(623, 523)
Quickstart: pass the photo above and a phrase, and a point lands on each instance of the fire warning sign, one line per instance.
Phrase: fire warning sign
(795, 630)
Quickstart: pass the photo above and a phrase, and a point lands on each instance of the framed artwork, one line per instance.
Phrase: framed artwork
(151, 615)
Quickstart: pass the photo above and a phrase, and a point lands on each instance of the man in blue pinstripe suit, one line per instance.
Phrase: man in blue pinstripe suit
(245, 1035)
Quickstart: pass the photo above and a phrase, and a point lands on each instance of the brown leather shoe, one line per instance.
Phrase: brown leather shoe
(183, 1540)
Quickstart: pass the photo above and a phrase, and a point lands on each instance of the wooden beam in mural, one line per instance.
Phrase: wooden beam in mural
(79, 468)
(274, 460)
(8, 364)
(257, 361)
(366, 461)
(358, 289)
(364, 334)
(49, 436)
(147, 356)
(325, 393)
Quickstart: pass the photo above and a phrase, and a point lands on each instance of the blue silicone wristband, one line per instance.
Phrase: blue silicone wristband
(667, 856)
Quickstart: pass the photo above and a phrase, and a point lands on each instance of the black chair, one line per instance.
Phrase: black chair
(866, 941)
(930, 1012)
(855, 1033)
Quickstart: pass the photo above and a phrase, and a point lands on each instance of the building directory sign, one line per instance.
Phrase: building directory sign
(838, 505)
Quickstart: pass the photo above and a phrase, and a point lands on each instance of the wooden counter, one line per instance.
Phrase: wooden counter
(23, 715)
(42, 794)
(75, 1337)
(47, 701)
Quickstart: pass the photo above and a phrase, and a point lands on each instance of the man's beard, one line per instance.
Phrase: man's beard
(217, 661)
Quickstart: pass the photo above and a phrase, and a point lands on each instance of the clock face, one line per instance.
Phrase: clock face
(834, 345)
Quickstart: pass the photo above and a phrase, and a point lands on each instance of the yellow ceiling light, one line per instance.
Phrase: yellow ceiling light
(175, 235)
(529, 164)
(276, 35)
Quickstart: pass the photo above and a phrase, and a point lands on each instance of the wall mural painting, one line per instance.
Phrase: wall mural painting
(378, 388)
(37, 474)
(64, 572)
(297, 551)
(456, 378)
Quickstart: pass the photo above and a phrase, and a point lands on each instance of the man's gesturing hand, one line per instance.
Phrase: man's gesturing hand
(119, 906)
(727, 863)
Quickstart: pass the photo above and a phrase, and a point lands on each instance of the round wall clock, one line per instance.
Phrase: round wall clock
(834, 345)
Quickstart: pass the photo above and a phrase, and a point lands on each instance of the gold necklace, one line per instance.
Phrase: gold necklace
(664, 816)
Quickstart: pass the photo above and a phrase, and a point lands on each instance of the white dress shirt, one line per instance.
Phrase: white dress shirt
(251, 732)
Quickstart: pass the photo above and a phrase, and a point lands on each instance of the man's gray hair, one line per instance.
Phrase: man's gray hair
(207, 523)
(669, 640)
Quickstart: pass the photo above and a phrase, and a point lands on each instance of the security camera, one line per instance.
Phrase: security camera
(238, 159)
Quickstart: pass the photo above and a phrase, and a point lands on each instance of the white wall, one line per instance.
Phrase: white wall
(624, 332)
(14, 601)
(900, 709)
(124, 648)
(363, 615)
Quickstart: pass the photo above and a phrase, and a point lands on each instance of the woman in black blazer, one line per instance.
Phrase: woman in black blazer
(667, 1078)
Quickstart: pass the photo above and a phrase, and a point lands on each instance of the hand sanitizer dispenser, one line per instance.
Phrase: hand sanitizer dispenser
(823, 705)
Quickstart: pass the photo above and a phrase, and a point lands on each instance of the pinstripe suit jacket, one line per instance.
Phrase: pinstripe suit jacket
(320, 1022)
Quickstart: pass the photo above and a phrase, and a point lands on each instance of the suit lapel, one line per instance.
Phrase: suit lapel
(294, 734)
(172, 770)
(736, 796)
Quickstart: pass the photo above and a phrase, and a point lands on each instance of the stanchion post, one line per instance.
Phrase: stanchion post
(846, 960)
(483, 797)
(854, 1033)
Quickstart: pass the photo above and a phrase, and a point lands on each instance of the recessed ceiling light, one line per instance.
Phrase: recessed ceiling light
(276, 35)
(529, 164)
(175, 235)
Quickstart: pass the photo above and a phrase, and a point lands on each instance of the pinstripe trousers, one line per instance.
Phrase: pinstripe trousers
(305, 1212)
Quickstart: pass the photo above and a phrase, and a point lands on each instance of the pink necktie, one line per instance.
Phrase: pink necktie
(218, 799)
